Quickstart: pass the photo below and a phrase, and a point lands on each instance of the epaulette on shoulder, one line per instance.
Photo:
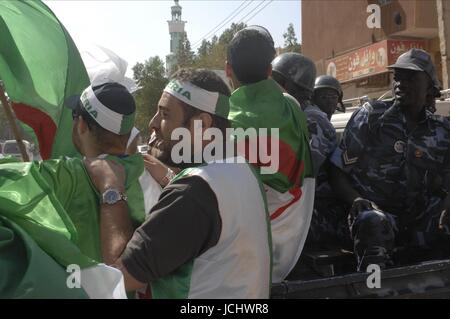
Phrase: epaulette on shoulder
(441, 120)
(377, 106)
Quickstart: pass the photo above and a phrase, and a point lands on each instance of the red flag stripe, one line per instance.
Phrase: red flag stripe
(41, 123)
(289, 165)
(297, 193)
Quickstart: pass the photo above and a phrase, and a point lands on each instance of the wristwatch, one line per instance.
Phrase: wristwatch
(169, 176)
(112, 196)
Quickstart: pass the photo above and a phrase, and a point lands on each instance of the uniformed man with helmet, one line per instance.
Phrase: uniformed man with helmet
(296, 74)
(392, 168)
(328, 95)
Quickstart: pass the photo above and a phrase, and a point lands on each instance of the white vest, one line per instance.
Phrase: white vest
(239, 265)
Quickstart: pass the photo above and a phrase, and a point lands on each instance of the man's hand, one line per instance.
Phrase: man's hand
(160, 172)
(444, 220)
(359, 205)
(105, 174)
(131, 283)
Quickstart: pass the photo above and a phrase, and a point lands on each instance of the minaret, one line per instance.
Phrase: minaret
(176, 30)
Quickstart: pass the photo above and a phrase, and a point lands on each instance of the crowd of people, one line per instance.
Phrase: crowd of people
(226, 228)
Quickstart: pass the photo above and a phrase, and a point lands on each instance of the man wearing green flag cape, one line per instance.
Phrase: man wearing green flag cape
(259, 102)
(51, 207)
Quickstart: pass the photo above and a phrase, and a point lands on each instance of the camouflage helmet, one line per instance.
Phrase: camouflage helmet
(296, 68)
(327, 81)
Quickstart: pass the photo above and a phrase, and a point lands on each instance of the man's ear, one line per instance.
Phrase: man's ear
(228, 69)
(82, 126)
(234, 83)
(202, 120)
(269, 71)
(206, 119)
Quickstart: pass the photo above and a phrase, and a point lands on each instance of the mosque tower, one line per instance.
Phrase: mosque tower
(176, 30)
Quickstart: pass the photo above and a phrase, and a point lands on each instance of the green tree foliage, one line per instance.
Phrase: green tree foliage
(290, 40)
(213, 54)
(150, 77)
(204, 50)
(214, 40)
(185, 55)
(229, 33)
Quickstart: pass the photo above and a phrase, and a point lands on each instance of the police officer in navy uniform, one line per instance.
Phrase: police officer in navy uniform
(329, 223)
(392, 167)
(328, 95)
(296, 74)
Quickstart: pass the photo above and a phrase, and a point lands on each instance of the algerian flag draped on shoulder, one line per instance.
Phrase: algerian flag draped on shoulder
(263, 107)
(40, 67)
(278, 121)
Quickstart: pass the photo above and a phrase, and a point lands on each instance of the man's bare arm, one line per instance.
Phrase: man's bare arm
(115, 224)
(115, 230)
(162, 173)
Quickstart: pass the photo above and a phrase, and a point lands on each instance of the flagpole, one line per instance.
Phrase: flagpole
(12, 122)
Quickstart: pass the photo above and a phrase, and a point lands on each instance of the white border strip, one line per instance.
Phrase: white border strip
(193, 95)
(108, 119)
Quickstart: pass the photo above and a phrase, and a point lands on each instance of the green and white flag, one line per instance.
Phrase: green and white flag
(40, 67)
(289, 190)
(51, 209)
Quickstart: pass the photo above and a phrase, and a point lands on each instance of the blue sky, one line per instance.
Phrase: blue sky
(137, 30)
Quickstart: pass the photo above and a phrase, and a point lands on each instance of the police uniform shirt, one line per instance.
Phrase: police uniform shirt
(396, 169)
(323, 139)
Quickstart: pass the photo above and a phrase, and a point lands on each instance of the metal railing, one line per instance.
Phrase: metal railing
(358, 101)
(445, 94)
(354, 103)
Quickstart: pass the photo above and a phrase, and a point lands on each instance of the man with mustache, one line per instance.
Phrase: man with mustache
(393, 168)
(209, 235)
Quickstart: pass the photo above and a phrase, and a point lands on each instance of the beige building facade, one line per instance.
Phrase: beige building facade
(355, 40)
